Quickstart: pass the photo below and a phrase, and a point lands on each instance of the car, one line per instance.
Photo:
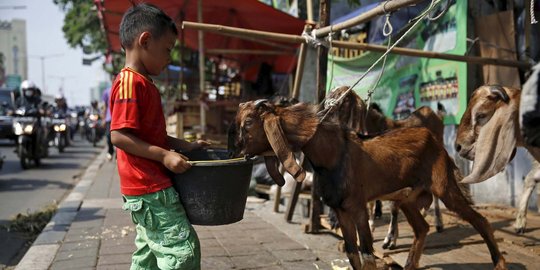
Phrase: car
(7, 97)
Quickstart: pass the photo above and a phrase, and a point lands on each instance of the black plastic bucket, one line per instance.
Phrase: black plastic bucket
(214, 190)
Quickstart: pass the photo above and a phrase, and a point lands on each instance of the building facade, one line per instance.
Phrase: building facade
(13, 54)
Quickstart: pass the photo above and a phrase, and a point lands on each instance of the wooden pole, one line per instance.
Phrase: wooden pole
(260, 52)
(201, 70)
(322, 59)
(436, 55)
(182, 51)
(387, 6)
(309, 9)
(240, 32)
(362, 46)
(299, 71)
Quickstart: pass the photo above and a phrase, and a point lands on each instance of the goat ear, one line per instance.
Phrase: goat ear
(272, 165)
(495, 145)
(278, 142)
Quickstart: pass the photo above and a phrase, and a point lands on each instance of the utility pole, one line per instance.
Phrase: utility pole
(42, 58)
(62, 79)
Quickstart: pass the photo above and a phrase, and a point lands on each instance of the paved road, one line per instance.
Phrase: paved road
(30, 190)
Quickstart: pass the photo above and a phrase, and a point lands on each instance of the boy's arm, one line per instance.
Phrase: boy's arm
(179, 144)
(127, 141)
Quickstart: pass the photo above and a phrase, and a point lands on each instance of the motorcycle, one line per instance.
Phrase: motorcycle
(60, 137)
(31, 136)
(73, 123)
(94, 129)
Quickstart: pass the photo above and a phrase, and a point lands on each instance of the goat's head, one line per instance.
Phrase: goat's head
(488, 131)
(263, 129)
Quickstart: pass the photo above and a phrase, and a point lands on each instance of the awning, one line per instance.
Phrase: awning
(248, 14)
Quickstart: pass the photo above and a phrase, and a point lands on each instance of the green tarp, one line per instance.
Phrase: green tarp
(411, 82)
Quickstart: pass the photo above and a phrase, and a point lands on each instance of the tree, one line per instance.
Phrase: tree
(82, 29)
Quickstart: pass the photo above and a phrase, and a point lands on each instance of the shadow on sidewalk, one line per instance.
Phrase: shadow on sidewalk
(18, 184)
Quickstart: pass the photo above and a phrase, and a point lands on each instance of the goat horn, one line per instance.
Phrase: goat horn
(499, 91)
(260, 102)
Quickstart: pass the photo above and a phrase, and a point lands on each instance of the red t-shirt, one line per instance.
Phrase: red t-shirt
(136, 105)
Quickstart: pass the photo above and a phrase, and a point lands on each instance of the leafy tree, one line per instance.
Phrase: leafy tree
(82, 29)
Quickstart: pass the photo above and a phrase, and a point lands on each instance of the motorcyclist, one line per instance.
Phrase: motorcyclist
(30, 104)
(60, 111)
(61, 106)
(94, 109)
(94, 127)
(31, 95)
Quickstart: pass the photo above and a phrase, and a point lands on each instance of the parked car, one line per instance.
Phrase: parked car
(7, 97)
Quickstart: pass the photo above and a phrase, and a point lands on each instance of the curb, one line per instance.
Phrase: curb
(42, 252)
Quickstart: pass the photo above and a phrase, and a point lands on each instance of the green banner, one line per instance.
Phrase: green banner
(408, 82)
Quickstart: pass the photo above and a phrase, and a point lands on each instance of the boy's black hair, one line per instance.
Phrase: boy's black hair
(144, 17)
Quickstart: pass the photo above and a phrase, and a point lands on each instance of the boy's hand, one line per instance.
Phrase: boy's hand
(176, 162)
(199, 144)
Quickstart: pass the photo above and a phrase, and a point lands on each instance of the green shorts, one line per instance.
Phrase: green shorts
(165, 238)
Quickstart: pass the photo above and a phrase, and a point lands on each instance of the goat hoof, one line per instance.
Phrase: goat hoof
(368, 262)
(385, 245)
(520, 230)
(501, 265)
(392, 246)
(439, 228)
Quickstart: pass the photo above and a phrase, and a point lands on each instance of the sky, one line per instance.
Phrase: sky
(44, 21)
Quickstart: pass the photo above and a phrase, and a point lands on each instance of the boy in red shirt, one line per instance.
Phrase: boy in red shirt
(165, 238)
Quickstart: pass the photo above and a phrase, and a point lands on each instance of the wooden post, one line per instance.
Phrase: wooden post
(322, 55)
(182, 46)
(299, 71)
(277, 199)
(201, 69)
(309, 9)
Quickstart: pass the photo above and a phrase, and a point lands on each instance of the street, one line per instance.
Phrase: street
(28, 191)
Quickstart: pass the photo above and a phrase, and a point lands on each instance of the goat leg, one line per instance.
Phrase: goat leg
(420, 228)
(455, 201)
(371, 221)
(439, 225)
(348, 228)
(521, 217)
(366, 239)
(390, 241)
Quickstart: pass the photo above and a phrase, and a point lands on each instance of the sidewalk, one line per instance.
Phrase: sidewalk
(100, 234)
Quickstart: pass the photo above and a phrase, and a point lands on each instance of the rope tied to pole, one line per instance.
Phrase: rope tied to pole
(387, 28)
(312, 40)
(418, 19)
(387, 32)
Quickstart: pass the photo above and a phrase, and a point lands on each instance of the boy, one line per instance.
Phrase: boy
(165, 238)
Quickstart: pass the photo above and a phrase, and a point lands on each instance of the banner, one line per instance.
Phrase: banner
(408, 82)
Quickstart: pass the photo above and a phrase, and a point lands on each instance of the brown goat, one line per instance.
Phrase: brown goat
(352, 113)
(489, 134)
(348, 166)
